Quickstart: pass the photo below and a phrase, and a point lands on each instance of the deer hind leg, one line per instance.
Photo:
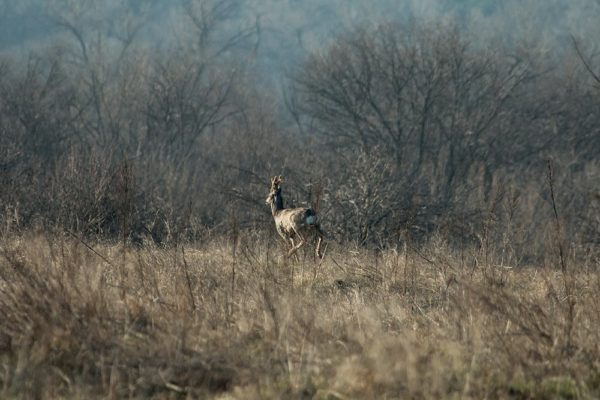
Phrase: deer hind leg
(320, 235)
(318, 247)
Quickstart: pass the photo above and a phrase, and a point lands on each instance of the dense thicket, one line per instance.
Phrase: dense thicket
(400, 132)
(440, 131)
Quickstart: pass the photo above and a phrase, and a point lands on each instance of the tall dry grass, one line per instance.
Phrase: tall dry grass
(231, 318)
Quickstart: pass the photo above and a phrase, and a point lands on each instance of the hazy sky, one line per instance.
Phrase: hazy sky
(287, 28)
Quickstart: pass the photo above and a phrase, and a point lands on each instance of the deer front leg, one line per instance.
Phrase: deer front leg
(291, 251)
(295, 248)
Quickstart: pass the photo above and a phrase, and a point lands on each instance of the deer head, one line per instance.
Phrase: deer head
(276, 182)
(275, 188)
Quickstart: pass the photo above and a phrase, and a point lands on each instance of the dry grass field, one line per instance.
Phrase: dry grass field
(232, 319)
(446, 151)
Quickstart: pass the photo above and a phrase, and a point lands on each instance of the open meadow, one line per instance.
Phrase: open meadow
(231, 318)
(166, 164)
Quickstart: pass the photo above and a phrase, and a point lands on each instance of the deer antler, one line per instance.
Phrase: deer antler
(276, 180)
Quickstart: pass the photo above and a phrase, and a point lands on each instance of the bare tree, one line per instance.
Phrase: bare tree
(449, 119)
(428, 97)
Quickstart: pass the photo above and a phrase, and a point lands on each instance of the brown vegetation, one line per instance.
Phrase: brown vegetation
(232, 319)
(457, 183)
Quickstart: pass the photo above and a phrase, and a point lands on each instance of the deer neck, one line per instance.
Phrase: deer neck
(277, 203)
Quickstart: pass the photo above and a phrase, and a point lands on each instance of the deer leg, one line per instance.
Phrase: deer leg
(292, 249)
(301, 243)
(295, 248)
(318, 247)
(319, 241)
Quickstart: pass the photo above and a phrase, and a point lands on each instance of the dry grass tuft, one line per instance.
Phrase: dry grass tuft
(225, 321)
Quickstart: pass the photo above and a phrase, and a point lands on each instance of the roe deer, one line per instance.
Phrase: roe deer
(293, 224)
